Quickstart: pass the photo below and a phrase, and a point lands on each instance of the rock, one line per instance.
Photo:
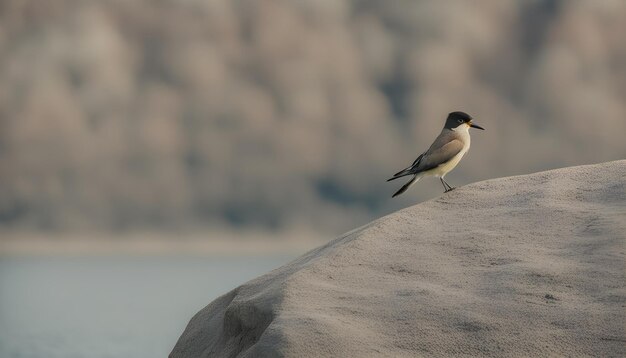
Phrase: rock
(530, 265)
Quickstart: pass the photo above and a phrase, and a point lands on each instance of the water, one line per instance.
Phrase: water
(110, 306)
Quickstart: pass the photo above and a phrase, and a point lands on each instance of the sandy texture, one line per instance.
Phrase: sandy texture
(522, 266)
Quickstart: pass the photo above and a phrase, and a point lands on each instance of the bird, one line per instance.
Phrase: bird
(443, 155)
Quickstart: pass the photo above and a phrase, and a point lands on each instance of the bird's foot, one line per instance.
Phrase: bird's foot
(449, 190)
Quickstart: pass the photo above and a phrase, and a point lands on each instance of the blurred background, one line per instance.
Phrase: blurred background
(270, 114)
(277, 120)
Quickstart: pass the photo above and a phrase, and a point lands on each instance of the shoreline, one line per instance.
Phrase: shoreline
(158, 244)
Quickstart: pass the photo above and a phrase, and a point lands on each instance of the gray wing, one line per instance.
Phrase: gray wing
(438, 154)
(408, 170)
(445, 147)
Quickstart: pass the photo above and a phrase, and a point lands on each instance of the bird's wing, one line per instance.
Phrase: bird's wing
(437, 155)
(444, 148)
(408, 170)
(417, 161)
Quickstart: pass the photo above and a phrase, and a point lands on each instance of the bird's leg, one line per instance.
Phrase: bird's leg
(446, 183)
(445, 187)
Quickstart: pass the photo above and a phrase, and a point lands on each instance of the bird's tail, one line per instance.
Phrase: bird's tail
(406, 186)
(401, 173)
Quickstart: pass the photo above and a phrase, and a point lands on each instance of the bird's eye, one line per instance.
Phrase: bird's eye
(460, 121)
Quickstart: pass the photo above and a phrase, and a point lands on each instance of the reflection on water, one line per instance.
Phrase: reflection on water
(110, 306)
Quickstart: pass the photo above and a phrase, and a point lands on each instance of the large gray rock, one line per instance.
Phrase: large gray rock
(530, 265)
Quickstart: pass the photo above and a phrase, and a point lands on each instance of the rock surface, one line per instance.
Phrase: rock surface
(530, 265)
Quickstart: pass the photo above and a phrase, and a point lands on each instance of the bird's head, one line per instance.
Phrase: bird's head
(456, 119)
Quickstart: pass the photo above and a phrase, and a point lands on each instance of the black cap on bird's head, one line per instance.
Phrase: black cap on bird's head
(456, 119)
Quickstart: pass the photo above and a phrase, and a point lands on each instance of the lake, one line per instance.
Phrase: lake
(103, 306)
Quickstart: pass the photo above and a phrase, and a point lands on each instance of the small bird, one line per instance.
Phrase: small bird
(443, 155)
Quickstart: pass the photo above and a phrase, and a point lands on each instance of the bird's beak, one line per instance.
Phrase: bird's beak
(476, 126)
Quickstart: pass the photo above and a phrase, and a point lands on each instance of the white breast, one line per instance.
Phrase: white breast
(463, 131)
